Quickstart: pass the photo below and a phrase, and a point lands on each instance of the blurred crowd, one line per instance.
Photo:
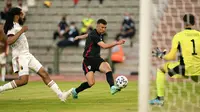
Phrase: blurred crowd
(23, 4)
(67, 30)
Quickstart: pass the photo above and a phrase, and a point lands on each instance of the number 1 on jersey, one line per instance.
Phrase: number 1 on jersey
(194, 51)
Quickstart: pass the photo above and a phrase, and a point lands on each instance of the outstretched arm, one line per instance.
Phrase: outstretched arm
(175, 46)
(106, 46)
(81, 37)
(161, 54)
(171, 55)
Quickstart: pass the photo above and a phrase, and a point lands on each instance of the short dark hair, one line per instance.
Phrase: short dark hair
(102, 21)
(189, 19)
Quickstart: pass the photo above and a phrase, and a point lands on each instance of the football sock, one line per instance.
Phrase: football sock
(3, 73)
(82, 87)
(160, 98)
(54, 87)
(160, 82)
(109, 78)
(8, 86)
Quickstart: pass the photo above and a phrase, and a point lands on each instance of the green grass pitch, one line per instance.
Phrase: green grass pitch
(36, 97)
(179, 97)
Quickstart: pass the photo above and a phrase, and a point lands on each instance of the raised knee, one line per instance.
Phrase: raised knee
(108, 69)
(91, 83)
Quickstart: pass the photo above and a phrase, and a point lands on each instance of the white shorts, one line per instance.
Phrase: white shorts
(3, 58)
(22, 63)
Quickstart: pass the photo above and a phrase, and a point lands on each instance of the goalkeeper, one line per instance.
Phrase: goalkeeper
(187, 44)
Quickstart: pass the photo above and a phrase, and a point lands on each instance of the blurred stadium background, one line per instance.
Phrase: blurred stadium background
(42, 22)
(167, 20)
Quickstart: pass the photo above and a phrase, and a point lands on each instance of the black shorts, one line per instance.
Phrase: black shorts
(179, 69)
(91, 64)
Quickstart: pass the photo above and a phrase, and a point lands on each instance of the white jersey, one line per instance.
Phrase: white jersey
(22, 59)
(20, 46)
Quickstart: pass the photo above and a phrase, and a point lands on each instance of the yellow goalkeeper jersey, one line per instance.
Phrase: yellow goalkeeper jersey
(188, 44)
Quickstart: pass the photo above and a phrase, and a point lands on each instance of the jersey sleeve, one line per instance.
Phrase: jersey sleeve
(175, 42)
(11, 32)
(172, 54)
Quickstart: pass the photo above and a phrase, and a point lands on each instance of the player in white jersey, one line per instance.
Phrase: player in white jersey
(4, 49)
(22, 59)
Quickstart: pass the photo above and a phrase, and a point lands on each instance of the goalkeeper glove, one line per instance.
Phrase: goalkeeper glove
(158, 53)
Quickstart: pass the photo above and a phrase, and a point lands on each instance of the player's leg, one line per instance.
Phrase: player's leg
(85, 85)
(105, 68)
(88, 69)
(171, 69)
(3, 72)
(3, 66)
(20, 66)
(55, 35)
(51, 84)
(37, 67)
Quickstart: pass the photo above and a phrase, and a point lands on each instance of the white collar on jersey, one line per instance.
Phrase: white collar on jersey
(15, 23)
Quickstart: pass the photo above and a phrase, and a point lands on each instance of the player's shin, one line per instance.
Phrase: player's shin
(160, 83)
(82, 87)
(109, 78)
(55, 87)
(8, 86)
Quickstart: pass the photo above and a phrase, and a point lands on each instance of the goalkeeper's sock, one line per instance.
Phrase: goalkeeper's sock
(55, 87)
(160, 83)
(109, 78)
(160, 98)
(82, 87)
(8, 86)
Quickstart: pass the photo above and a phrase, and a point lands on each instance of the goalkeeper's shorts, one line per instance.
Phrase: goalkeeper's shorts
(174, 68)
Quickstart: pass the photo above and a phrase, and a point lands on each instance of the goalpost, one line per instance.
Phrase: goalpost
(144, 54)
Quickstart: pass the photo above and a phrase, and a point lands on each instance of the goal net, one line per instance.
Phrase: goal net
(181, 95)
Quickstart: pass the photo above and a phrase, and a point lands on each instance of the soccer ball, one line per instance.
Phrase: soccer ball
(121, 81)
(47, 3)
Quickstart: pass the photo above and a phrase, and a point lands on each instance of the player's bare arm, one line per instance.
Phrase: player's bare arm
(81, 37)
(12, 39)
(106, 46)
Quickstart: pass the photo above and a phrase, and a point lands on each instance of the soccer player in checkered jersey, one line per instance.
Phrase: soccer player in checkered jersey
(4, 49)
(22, 59)
(93, 62)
